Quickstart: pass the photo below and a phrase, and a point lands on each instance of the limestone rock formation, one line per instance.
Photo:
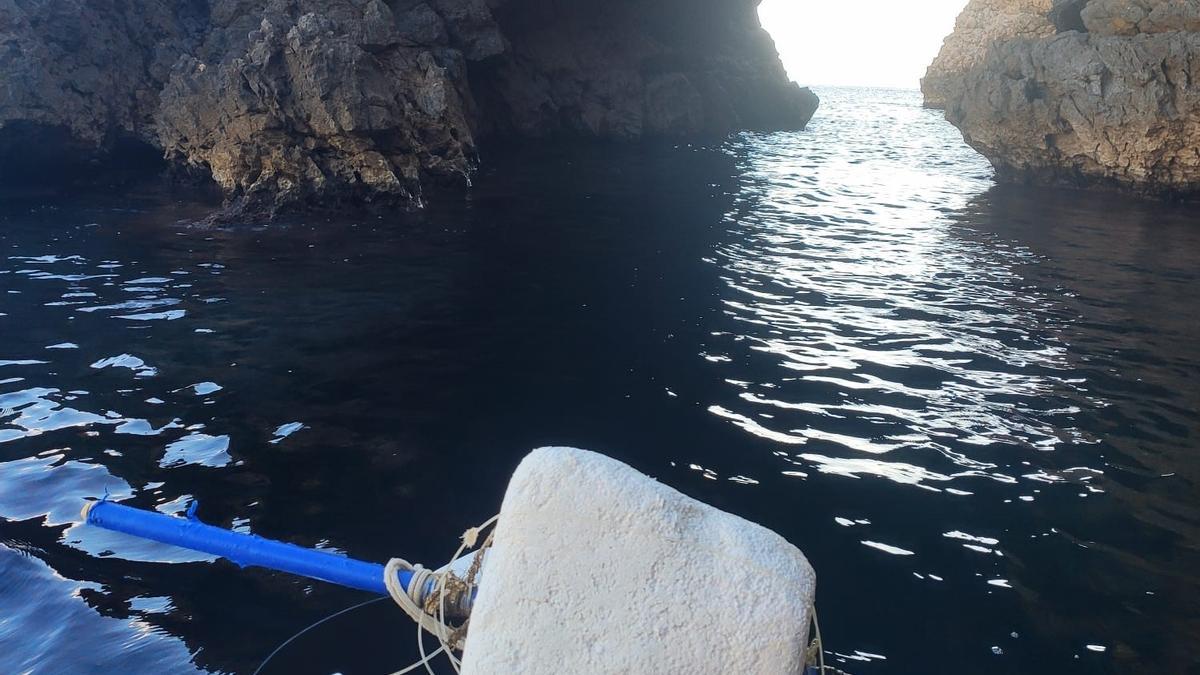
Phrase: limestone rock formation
(1113, 104)
(981, 23)
(78, 78)
(319, 108)
(1132, 17)
(294, 102)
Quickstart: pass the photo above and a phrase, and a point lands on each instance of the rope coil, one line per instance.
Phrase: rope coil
(431, 593)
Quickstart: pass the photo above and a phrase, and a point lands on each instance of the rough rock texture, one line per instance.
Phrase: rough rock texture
(1112, 105)
(328, 105)
(597, 568)
(1132, 17)
(981, 23)
(78, 77)
(287, 102)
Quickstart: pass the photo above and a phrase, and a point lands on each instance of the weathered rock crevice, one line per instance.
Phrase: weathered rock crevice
(1104, 98)
(1067, 15)
(291, 103)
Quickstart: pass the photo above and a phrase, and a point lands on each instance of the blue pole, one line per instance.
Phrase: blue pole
(246, 550)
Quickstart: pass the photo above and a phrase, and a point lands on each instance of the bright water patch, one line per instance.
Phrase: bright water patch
(205, 388)
(286, 430)
(129, 361)
(199, 449)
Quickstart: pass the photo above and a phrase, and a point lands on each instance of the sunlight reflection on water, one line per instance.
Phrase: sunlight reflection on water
(848, 274)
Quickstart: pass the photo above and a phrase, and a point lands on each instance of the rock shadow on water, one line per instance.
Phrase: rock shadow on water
(1119, 269)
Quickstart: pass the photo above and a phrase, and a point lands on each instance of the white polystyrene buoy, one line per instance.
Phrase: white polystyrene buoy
(597, 568)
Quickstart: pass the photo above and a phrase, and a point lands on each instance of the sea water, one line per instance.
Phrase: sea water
(975, 408)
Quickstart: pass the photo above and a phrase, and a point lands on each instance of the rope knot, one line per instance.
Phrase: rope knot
(431, 593)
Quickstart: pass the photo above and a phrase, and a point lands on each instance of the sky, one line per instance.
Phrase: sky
(883, 43)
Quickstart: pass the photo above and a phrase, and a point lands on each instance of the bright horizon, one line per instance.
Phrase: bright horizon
(882, 43)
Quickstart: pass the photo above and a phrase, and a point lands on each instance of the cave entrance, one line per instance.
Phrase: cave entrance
(869, 43)
(52, 156)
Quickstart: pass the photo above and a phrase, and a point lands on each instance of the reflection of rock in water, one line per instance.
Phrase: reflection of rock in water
(1120, 270)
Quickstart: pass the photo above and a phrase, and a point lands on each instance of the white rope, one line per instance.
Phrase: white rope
(820, 644)
(816, 648)
(431, 616)
(403, 598)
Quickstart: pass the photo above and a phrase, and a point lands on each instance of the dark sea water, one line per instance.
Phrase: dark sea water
(976, 409)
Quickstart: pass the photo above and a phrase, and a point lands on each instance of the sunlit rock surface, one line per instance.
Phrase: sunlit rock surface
(1106, 101)
(296, 102)
(980, 24)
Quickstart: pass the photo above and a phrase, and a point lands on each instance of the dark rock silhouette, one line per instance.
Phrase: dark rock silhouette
(289, 103)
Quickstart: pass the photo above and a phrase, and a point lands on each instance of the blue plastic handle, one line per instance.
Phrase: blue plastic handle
(247, 550)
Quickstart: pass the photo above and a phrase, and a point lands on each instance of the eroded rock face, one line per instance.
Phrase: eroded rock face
(1133, 17)
(982, 23)
(293, 102)
(322, 107)
(1113, 104)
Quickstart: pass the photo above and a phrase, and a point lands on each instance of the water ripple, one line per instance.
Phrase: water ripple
(973, 408)
(892, 336)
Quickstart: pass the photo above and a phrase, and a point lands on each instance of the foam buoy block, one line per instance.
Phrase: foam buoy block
(597, 568)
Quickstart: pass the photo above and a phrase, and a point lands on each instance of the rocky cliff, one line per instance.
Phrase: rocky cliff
(1107, 99)
(295, 102)
(981, 23)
